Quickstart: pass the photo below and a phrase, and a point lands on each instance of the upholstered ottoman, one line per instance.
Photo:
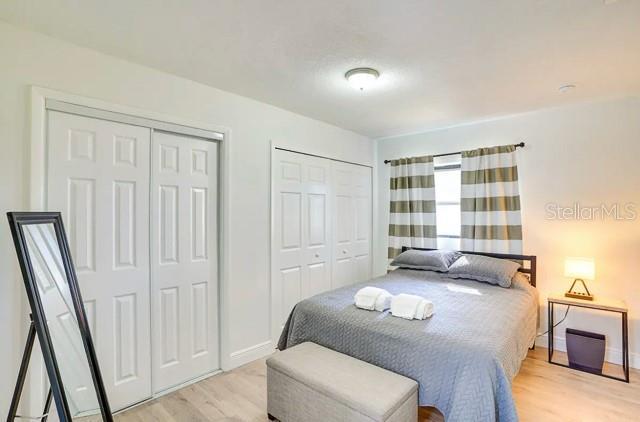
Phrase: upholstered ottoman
(310, 383)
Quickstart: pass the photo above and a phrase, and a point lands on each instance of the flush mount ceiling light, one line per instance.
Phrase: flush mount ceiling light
(362, 78)
(566, 88)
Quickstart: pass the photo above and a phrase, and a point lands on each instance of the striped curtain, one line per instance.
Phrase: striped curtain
(412, 219)
(490, 201)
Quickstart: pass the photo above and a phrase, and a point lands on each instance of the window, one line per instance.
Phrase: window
(447, 180)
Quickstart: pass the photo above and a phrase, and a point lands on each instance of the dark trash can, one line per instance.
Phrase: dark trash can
(585, 350)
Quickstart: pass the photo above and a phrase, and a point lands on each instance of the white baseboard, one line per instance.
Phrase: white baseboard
(244, 356)
(611, 354)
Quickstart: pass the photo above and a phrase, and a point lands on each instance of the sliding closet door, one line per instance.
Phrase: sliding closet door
(98, 177)
(352, 223)
(301, 247)
(184, 258)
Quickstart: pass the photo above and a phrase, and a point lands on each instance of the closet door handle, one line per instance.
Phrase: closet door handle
(317, 255)
(344, 251)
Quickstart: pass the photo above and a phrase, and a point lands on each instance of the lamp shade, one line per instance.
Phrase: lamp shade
(584, 268)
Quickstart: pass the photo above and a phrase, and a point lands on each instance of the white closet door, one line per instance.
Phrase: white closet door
(184, 258)
(301, 244)
(98, 177)
(352, 223)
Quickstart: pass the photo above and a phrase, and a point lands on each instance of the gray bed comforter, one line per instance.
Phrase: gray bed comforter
(464, 357)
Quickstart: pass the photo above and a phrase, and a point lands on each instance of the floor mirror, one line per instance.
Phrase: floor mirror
(58, 321)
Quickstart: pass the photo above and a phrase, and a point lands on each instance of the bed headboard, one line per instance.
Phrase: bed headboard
(532, 259)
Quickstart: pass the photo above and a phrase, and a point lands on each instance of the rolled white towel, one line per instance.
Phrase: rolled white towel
(372, 298)
(411, 307)
(424, 310)
(383, 302)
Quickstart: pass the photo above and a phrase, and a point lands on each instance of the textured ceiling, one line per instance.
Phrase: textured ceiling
(442, 62)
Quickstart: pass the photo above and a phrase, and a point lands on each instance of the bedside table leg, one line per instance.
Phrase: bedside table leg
(550, 330)
(625, 346)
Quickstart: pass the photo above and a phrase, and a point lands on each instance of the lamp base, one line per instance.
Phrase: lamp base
(586, 295)
(579, 295)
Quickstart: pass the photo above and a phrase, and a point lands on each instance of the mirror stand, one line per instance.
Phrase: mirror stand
(59, 321)
(22, 375)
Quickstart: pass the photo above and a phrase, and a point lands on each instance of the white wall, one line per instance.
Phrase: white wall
(28, 58)
(586, 153)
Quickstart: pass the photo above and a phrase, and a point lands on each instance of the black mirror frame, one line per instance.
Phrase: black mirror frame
(16, 222)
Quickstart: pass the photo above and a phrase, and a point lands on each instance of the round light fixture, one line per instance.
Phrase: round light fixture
(566, 88)
(362, 77)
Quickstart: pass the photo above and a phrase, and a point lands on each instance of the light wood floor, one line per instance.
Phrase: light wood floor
(542, 392)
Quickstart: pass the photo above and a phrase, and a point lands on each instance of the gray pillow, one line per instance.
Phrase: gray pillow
(521, 281)
(437, 260)
(484, 268)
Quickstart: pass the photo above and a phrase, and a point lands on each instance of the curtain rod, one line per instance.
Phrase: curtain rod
(521, 145)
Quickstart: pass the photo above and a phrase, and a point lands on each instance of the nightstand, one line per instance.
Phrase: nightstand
(600, 304)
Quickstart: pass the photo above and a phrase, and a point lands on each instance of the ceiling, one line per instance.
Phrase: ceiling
(442, 62)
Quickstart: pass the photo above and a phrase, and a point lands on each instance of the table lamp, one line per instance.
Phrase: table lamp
(579, 269)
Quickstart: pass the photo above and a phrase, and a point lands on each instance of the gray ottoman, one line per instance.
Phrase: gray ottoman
(309, 383)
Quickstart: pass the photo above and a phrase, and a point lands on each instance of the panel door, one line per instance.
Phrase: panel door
(301, 244)
(98, 177)
(351, 212)
(184, 258)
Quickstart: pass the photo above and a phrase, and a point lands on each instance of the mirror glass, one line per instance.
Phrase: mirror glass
(53, 288)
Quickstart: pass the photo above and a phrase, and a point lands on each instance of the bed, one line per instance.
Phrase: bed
(464, 357)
